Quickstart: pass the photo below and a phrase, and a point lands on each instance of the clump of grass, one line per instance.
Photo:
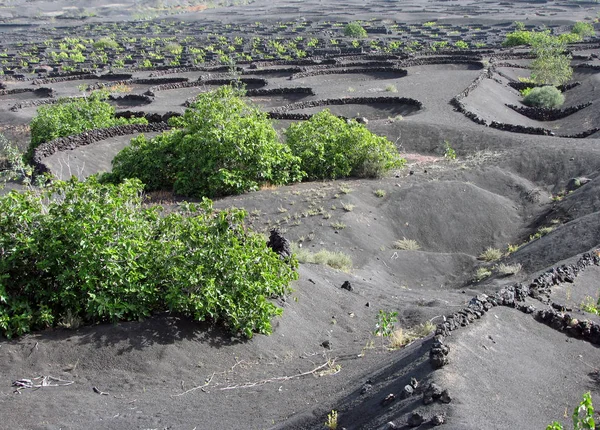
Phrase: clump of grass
(401, 337)
(490, 254)
(509, 269)
(335, 260)
(380, 193)
(405, 244)
(348, 207)
(482, 273)
(391, 88)
(345, 189)
(338, 225)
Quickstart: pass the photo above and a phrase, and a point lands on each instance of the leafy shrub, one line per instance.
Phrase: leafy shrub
(74, 116)
(518, 37)
(354, 29)
(406, 245)
(583, 416)
(583, 29)
(83, 250)
(224, 146)
(330, 147)
(552, 65)
(490, 254)
(546, 97)
(106, 42)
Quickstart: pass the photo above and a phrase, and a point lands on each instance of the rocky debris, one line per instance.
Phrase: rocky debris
(388, 399)
(438, 420)
(588, 330)
(415, 419)
(575, 183)
(150, 117)
(367, 387)
(326, 344)
(361, 120)
(347, 286)
(414, 383)
(391, 426)
(445, 397)
(432, 393)
(279, 244)
(2, 86)
(407, 392)
(438, 355)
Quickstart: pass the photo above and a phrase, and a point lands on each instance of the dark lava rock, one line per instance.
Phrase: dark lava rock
(361, 120)
(575, 183)
(438, 355)
(414, 383)
(279, 244)
(392, 426)
(438, 420)
(326, 344)
(347, 286)
(445, 397)
(415, 419)
(407, 391)
(388, 399)
(366, 388)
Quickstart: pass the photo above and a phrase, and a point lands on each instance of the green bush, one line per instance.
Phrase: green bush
(583, 29)
(106, 42)
(330, 147)
(223, 146)
(354, 29)
(552, 65)
(518, 37)
(83, 250)
(545, 97)
(74, 116)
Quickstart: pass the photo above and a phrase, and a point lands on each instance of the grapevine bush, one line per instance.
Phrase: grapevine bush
(546, 97)
(222, 146)
(330, 147)
(74, 116)
(92, 251)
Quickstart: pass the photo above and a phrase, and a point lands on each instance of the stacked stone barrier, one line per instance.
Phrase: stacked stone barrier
(344, 101)
(514, 128)
(520, 86)
(46, 81)
(459, 106)
(71, 142)
(514, 296)
(394, 70)
(544, 114)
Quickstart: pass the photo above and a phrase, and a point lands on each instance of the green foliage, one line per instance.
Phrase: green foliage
(95, 252)
(74, 116)
(583, 29)
(330, 147)
(105, 43)
(590, 305)
(583, 416)
(449, 152)
(525, 91)
(354, 29)
(224, 146)
(461, 44)
(546, 97)
(551, 66)
(386, 322)
(518, 37)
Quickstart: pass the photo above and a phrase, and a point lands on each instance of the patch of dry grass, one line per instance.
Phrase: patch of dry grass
(490, 254)
(335, 260)
(405, 244)
(401, 337)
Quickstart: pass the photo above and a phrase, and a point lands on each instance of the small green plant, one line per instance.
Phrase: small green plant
(546, 97)
(449, 152)
(338, 225)
(379, 193)
(583, 416)
(344, 189)
(591, 305)
(405, 244)
(386, 322)
(490, 254)
(332, 420)
(348, 207)
(460, 44)
(391, 88)
(354, 29)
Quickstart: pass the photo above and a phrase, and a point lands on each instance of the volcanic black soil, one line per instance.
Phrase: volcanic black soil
(524, 186)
